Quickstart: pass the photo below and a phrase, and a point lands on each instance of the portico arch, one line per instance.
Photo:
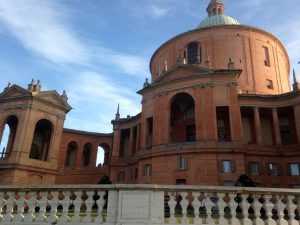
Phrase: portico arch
(103, 153)
(40, 145)
(8, 134)
(182, 118)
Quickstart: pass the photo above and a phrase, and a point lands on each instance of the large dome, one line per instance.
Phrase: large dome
(217, 20)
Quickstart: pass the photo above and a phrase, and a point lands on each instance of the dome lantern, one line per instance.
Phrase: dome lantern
(215, 7)
(216, 16)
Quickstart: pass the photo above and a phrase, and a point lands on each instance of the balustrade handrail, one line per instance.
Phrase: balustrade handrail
(153, 187)
(146, 204)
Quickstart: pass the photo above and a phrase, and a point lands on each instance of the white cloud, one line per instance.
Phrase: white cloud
(254, 3)
(102, 96)
(159, 8)
(42, 27)
(156, 11)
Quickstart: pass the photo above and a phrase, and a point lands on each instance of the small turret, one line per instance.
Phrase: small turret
(146, 84)
(8, 86)
(34, 87)
(30, 86)
(37, 87)
(296, 85)
(117, 117)
(64, 96)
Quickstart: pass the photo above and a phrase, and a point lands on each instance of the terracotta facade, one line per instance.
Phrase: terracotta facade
(219, 105)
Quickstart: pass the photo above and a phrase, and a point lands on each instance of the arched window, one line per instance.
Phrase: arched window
(41, 140)
(194, 53)
(103, 155)
(86, 155)
(182, 119)
(71, 155)
(9, 131)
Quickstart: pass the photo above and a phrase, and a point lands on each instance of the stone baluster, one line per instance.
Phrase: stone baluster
(20, 202)
(172, 205)
(89, 204)
(2, 203)
(100, 203)
(42, 204)
(208, 206)
(268, 206)
(196, 206)
(184, 205)
(65, 202)
(291, 207)
(280, 207)
(112, 207)
(31, 203)
(233, 206)
(256, 205)
(53, 204)
(10, 202)
(245, 205)
(222, 204)
(77, 202)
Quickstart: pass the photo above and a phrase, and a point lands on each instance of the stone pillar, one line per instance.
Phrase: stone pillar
(257, 125)
(156, 128)
(116, 141)
(276, 126)
(140, 208)
(143, 126)
(200, 114)
(235, 115)
(210, 116)
(131, 137)
(297, 121)
(138, 136)
(112, 207)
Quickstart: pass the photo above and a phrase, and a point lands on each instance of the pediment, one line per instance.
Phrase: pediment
(180, 72)
(54, 98)
(14, 92)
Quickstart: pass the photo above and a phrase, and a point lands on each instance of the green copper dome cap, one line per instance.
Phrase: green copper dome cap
(216, 16)
(218, 20)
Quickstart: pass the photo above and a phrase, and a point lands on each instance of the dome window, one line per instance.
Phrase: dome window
(194, 53)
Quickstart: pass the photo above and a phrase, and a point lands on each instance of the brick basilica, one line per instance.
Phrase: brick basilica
(219, 104)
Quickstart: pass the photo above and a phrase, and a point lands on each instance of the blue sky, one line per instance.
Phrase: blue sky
(99, 50)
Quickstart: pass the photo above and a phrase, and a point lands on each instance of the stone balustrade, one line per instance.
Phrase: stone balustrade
(147, 204)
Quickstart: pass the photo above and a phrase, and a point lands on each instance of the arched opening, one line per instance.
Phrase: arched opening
(102, 155)
(41, 140)
(71, 155)
(86, 155)
(9, 131)
(182, 119)
(194, 53)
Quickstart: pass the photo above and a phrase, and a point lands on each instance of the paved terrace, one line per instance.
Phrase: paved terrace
(147, 204)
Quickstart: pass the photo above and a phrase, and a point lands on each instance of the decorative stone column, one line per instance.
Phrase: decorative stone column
(276, 126)
(297, 121)
(131, 137)
(138, 136)
(257, 125)
(117, 140)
